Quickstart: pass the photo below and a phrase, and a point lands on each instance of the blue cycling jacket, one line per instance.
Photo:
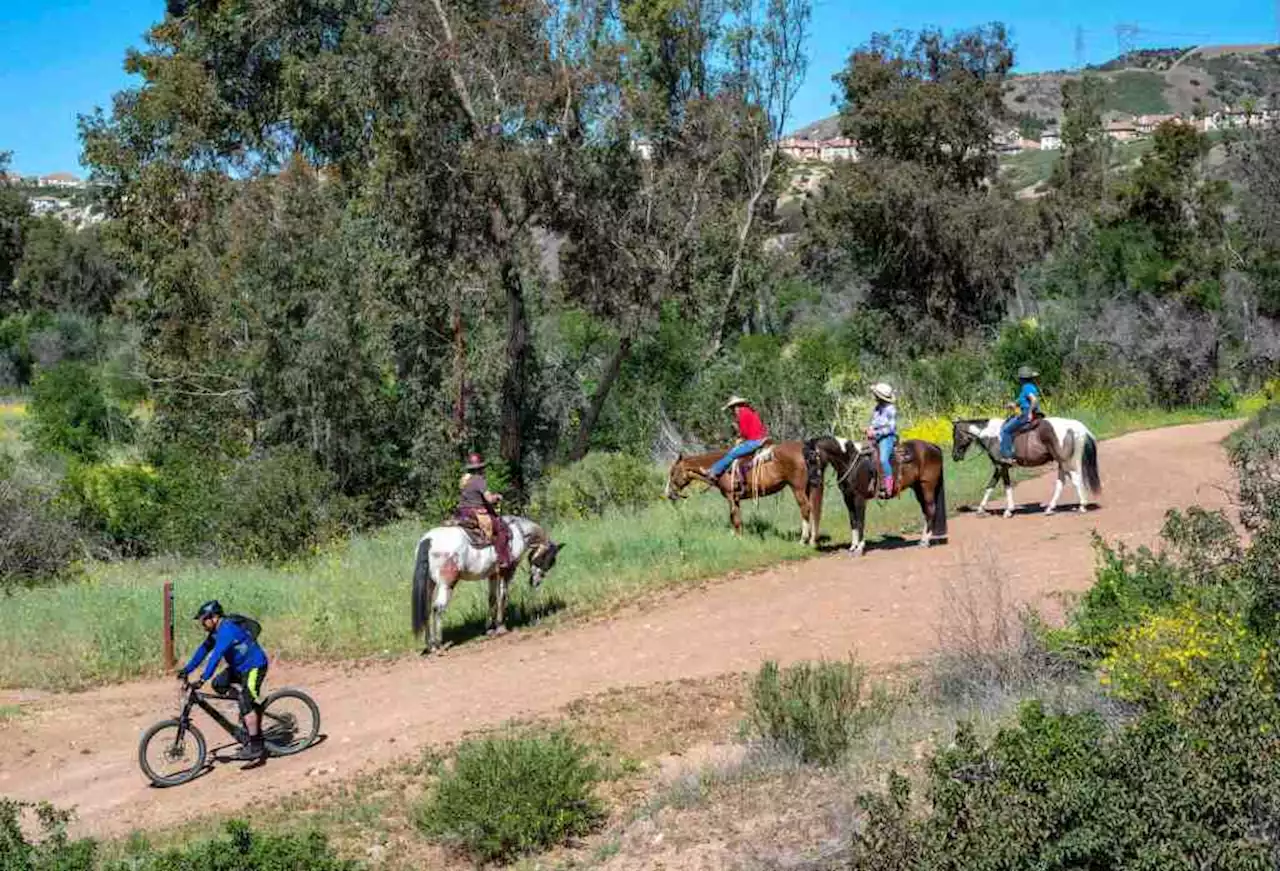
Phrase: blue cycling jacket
(229, 641)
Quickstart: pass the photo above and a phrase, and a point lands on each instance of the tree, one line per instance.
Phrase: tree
(1081, 171)
(929, 99)
(66, 270)
(13, 218)
(768, 63)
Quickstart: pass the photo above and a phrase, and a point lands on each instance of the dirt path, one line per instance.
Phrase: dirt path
(80, 750)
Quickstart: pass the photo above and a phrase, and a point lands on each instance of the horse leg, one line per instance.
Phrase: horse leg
(1057, 491)
(491, 625)
(1008, 491)
(435, 621)
(735, 515)
(503, 586)
(986, 494)
(1077, 481)
(927, 509)
(857, 525)
(806, 511)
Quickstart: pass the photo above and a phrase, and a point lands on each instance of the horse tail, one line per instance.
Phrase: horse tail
(422, 586)
(939, 529)
(1092, 479)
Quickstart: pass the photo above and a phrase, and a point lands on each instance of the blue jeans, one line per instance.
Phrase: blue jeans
(1006, 434)
(740, 450)
(886, 445)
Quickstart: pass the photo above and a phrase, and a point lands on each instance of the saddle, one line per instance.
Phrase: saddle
(471, 526)
(1036, 417)
(903, 454)
(742, 466)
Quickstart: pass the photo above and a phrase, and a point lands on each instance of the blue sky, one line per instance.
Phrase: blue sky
(61, 57)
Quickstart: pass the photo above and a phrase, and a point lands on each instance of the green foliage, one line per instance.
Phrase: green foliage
(1028, 343)
(241, 849)
(276, 506)
(1127, 585)
(595, 484)
(510, 796)
(65, 270)
(71, 413)
(123, 501)
(1062, 791)
(1135, 92)
(50, 850)
(813, 710)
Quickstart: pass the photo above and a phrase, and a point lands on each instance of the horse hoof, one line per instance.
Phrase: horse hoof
(1008, 514)
(924, 542)
(501, 630)
(1048, 511)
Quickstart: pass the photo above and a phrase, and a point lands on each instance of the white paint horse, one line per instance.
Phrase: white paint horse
(446, 555)
(1060, 439)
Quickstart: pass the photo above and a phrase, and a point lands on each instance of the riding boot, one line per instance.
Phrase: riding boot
(886, 489)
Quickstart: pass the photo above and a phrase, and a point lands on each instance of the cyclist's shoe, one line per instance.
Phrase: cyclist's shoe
(254, 751)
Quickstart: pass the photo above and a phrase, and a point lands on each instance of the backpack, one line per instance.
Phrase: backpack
(248, 624)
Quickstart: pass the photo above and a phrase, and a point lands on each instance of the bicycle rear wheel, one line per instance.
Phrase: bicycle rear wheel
(290, 722)
(170, 755)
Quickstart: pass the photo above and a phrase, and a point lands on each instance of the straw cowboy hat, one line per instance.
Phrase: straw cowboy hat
(882, 392)
(735, 399)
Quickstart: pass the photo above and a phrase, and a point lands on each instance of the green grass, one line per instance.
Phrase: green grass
(1028, 167)
(354, 600)
(1135, 93)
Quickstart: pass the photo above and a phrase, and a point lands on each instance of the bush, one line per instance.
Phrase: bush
(1184, 659)
(1027, 343)
(122, 501)
(1063, 791)
(277, 505)
(71, 414)
(51, 850)
(813, 710)
(598, 482)
(514, 795)
(36, 544)
(1129, 585)
(242, 850)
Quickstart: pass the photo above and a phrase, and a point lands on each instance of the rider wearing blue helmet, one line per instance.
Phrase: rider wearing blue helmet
(230, 638)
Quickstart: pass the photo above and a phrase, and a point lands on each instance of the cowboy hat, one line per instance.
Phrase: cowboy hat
(475, 462)
(1026, 373)
(882, 392)
(735, 399)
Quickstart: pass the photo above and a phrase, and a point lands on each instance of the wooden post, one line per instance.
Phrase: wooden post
(169, 661)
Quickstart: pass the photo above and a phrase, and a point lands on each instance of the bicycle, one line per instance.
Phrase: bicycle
(290, 724)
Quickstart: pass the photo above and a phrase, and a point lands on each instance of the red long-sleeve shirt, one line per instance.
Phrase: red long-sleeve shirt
(750, 426)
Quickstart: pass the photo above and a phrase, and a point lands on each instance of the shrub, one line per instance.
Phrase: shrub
(36, 544)
(50, 850)
(509, 796)
(1184, 658)
(71, 414)
(277, 505)
(1058, 791)
(242, 850)
(596, 483)
(1129, 585)
(1027, 343)
(123, 501)
(813, 710)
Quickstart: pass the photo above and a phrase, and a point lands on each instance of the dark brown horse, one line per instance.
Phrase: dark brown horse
(767, 474)
(918, 465)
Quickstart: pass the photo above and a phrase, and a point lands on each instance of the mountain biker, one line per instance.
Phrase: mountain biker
(246, 668)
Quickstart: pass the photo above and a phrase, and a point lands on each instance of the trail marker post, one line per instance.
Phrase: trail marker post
(169, 661)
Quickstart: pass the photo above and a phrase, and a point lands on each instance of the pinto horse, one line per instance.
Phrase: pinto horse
(1048, 439)
(447, 555)
(768, 473)
(919, 467)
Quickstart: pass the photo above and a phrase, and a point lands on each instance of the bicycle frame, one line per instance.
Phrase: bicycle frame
(197, 699)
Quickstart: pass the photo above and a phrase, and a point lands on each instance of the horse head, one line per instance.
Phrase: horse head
(543, 560)
(962, 436)
(678, 477)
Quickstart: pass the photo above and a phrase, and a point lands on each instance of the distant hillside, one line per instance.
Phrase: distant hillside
(1151, 81)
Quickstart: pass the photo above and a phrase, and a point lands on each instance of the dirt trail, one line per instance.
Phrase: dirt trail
(80, 750)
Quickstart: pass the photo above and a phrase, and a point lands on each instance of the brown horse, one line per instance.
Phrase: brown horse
(918, 465)
(769, 473)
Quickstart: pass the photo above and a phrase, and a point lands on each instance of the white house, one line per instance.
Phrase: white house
(1050, 139)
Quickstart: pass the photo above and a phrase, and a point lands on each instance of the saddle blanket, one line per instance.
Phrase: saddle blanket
(743, 465)
(475, 534)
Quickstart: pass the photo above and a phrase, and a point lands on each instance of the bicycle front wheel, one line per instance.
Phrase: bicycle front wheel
(170, 754)
(290, 722)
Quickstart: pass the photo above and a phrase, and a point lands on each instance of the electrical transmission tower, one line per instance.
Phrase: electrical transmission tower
(1126, 38)
(1080, 44)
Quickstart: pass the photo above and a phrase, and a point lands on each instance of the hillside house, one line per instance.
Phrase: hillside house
(801, 149)
(1147, 124)
(60, 180)
(840, 148)
(1122, 130)
(1050, 139)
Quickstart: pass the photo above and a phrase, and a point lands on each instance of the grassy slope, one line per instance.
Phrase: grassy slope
(354, 601)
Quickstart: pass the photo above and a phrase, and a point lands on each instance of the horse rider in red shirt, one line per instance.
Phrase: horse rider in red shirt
(751, 430)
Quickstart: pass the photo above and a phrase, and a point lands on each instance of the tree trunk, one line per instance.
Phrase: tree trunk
(744, 233)
(460, 372)
(592, 415)
(513, 384)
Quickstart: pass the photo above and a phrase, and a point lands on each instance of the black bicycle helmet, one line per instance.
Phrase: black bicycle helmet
(211, 608)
